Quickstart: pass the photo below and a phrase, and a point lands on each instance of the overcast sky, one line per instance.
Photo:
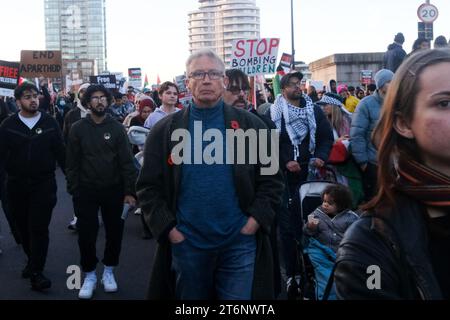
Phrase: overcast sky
(153, 34)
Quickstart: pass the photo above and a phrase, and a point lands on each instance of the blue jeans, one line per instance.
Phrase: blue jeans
(224, 274)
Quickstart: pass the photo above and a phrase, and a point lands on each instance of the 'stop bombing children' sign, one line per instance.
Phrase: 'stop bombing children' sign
(36, 64)
(255, 56)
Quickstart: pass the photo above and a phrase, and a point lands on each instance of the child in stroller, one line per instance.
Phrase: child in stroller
(324, 231)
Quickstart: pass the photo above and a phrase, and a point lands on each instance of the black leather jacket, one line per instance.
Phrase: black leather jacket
(398, 244)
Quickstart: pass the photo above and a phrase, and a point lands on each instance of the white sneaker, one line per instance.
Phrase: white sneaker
(88, 288)
(138, 211)
(73, 224)
(108, 281)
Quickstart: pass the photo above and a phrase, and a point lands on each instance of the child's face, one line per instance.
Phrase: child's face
(328, 205)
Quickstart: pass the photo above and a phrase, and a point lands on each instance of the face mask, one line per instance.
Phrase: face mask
(62, 103)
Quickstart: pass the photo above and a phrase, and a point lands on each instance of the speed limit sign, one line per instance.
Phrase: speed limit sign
(428, 13)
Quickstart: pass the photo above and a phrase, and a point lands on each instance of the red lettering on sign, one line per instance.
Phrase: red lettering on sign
(8, 72)
(260, 52)
(252, 43)
(273, 44)
(241, 49)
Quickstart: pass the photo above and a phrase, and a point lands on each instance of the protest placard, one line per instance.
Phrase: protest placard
(135, 77)
(9, 77)
(36, 64)
(255, 56)
(286, 62)
(180, 81)
(108, 81)
(366, 77)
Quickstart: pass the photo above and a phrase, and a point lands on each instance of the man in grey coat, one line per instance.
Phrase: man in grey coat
(364, 122)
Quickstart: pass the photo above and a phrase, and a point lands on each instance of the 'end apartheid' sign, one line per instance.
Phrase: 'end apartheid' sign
(9, 77)
(255, 56)
(35, 64)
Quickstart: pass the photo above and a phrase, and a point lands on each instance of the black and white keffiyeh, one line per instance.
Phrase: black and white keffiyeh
(299, 121)
(333, 101)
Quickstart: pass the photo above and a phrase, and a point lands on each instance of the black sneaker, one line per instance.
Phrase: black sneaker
(26, 272)
(293, 291)
(39, 282)
(146, 235)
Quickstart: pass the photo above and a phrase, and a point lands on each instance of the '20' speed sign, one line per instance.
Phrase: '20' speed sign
(428, 13)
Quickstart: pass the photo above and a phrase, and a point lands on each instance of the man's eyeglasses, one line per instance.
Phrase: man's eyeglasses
(236, 90)
(97, 99)
(295, 84)
(212, 75)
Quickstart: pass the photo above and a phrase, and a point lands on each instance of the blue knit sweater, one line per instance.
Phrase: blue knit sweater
(208, 211)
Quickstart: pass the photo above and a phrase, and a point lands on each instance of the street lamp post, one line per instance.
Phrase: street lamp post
(292, 34)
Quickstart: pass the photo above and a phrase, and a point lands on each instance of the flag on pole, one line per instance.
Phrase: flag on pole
(145, 81)
(276, 82)
(158, 80)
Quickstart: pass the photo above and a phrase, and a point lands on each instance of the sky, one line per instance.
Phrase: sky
(153, 34)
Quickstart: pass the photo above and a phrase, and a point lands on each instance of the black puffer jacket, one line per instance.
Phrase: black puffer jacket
(398, 245)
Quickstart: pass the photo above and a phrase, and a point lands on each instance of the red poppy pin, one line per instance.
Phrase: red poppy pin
(170, 160)
(235, 124)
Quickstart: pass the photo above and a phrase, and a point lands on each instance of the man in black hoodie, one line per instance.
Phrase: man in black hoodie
(100, 174)
(30, 144)
(393, 58)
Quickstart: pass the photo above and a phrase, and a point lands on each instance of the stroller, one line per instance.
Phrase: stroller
(318, 260)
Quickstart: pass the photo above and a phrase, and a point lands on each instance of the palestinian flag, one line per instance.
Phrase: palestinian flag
(276, 83)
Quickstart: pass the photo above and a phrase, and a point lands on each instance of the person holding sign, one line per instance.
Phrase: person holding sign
(30, 145)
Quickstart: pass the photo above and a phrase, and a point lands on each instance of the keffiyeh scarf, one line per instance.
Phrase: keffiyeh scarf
(299, 122)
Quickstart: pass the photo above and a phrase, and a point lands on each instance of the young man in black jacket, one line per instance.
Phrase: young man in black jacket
(100, 174)
(30, 144)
